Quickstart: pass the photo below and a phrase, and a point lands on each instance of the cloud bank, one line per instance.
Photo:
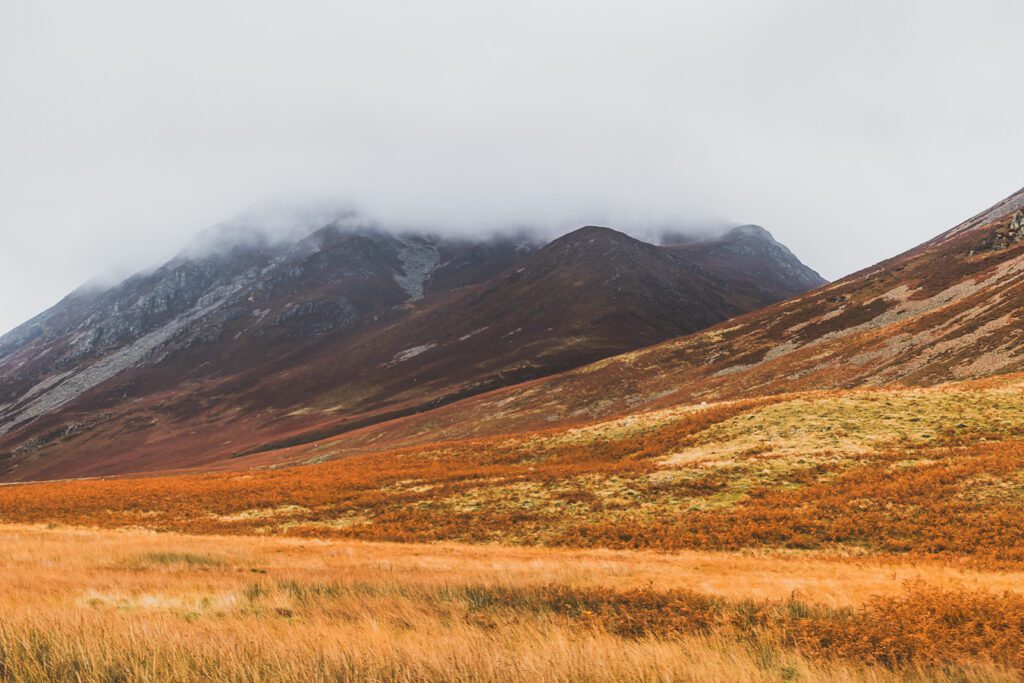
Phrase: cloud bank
(851, 130)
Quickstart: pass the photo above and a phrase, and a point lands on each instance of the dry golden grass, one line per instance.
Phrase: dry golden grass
(136, 606)
(874, 534)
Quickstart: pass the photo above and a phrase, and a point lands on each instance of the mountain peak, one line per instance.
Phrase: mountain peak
(595, 230)
(750, 231)
(257, 230)
(347, 325)
(592, 232)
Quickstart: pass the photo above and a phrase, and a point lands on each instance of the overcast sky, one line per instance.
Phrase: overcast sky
(851, 129)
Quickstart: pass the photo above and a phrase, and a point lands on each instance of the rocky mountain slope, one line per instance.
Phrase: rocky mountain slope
(241, 344)
(950, 309)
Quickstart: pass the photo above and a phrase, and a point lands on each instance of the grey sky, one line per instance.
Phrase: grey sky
(851, 129)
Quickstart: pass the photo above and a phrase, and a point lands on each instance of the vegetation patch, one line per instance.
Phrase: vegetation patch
(177, 560)
(934, 472)
(863, 422)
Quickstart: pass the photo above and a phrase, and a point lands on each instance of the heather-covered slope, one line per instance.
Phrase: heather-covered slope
(246, 345)
(950, 309)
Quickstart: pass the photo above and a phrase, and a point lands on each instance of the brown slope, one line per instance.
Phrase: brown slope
(269, 347)
(585, 296)
(952, 308)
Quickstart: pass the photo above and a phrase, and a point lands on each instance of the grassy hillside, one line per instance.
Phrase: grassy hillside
(930, 472)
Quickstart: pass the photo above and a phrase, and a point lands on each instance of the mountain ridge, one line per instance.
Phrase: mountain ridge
(948, 309)
(264, 342)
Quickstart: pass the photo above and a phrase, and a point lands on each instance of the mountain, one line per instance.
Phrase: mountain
(949, 309)
(242, 344)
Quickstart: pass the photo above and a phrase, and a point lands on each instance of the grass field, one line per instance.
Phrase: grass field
(866, 535)
(129, 605)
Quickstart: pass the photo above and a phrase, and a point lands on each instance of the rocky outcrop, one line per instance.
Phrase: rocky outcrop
(1004, 238)
(419, 260)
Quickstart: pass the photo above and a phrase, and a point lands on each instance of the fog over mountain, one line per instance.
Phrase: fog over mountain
(849, 130)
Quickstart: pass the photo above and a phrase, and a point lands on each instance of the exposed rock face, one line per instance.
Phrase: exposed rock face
(1015, 231)
(255, 291)
(419, 260)
(240, 341)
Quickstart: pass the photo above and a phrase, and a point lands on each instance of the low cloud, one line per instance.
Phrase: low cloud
(850, 130)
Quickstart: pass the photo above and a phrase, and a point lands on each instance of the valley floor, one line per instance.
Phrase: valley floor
(932, 473)
(870, 534)
(103, 605)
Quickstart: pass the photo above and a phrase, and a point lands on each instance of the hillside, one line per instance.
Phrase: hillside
(947, 310)
(866, 529)
(241, 344)
(914, 451)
